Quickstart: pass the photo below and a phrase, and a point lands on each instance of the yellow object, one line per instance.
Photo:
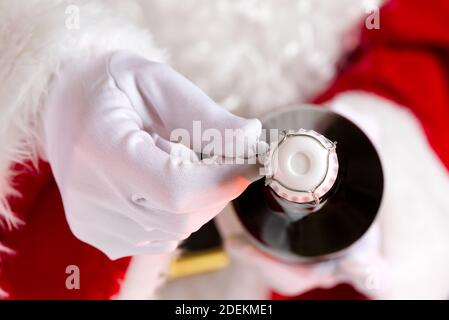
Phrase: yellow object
(195, 263)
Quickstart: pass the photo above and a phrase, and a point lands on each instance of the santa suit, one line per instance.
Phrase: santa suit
(396, 77)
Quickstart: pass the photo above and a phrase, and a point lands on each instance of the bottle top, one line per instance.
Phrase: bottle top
(302, 166)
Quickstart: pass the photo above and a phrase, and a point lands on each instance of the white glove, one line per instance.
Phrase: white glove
(405, 254)
(126, 188)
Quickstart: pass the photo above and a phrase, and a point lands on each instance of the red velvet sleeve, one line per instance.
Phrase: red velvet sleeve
(407, 61)
(44, 246)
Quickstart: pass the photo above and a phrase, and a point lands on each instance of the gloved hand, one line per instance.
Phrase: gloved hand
(126, 188)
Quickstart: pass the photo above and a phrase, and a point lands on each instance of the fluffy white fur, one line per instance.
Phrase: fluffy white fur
(252, 56)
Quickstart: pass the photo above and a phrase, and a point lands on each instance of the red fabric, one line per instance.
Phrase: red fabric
(45, 246)
(407, 61)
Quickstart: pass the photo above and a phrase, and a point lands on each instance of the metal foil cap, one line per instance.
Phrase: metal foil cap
(302, 166)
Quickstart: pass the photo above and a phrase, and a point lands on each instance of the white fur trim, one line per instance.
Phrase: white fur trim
(414, 215)
(252, 56)
(37, 37)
